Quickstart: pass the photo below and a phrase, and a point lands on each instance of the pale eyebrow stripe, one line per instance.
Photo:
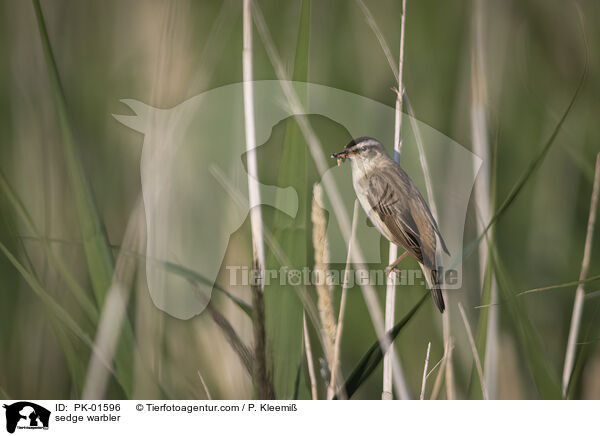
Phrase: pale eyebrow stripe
(369, 142)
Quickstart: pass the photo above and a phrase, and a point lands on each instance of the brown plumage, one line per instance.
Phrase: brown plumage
(395, 205)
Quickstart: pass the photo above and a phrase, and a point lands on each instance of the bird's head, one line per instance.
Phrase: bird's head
(360, 148)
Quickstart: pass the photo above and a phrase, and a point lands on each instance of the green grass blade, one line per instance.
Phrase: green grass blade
(78, 292)
(533, 166)
(100, 261)
(199, 278)
(283, 307)
(169, 266)
(61, 315)
(4, 395)
(475, 392)
(56, 308)
(369, 362)
(73, 355)
(584, 350)
(559, 286)
(546, 383)
(95, 240)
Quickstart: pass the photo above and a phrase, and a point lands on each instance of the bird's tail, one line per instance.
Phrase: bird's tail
(436, 292)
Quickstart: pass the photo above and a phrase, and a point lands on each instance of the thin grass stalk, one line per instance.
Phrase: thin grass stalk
(437, 385)
(162, 87)
(474, 350)
(98, 254)
(562, 285)
(335, 366)
(114, 310)
(212, 51)
(283, 260)
(446, 327)
(237, 345)
(543, 377)
(78, 292)
(449, 367)
(261, 373)
(390, 291)
(204, 386)
(263, 384)
(450, 388)
(4, 395)
(588, 296)
(532, 167)
(273, 245)
(374, 355)
(513, 194)
(481, 147)
(332, 191)
(309, 361)
(382, 42)
(580, 293)
(384, 46)
(256, 221)
(424, 380)
(439, 363)
(55, 308)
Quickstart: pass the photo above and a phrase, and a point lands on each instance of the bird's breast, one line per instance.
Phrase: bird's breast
(361, 187)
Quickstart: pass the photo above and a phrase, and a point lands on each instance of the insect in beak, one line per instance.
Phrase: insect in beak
(341, 156)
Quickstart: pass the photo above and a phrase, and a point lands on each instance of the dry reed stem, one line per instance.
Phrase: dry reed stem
(316, 150)
(262, 380)
(446, 328)
(321, 247)
(256, 222)
(450, 389)
(204, 386)
(114, 309)
(479, 129)
(390, 291)
(271, 242)
(423, 382)
(474, 350)
(435, 366)
(262, 376)
(437, 385)
(243, 352)
(579, 293)
(309, 361)
(335, 366)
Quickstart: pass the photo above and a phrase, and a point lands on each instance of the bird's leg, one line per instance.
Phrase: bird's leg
(392, 267)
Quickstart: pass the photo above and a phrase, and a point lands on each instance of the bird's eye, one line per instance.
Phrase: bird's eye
(363, 148)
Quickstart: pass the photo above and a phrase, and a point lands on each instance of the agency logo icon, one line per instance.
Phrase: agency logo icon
(26, 415)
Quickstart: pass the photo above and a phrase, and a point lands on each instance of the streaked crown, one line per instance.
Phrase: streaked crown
(364, 145)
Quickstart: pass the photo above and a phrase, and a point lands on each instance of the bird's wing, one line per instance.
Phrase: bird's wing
(426, 230)
(433, 222)
(395, 213)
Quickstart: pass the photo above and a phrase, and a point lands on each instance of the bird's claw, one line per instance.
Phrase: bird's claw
(391, 269)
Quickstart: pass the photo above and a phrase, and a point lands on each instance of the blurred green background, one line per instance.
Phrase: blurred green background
(163, 52)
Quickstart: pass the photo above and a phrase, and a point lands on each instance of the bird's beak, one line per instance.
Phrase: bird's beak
(341, 156)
